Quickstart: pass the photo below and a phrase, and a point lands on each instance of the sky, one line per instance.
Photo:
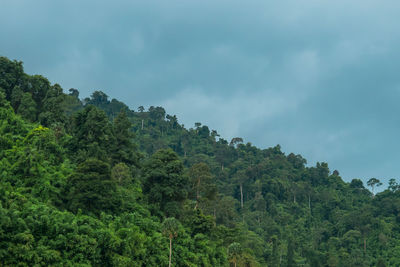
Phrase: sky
(320, 78)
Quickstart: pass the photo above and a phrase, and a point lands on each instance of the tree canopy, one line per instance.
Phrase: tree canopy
(89, 182)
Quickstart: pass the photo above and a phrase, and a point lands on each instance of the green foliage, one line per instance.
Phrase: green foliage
(203, 186)
(92, 135)
(124, 150)
(86, 183)
(234, 252)
(27, 107)
(90, 188)
(164, 182)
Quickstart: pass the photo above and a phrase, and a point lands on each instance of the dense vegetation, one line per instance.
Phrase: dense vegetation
(92, 182)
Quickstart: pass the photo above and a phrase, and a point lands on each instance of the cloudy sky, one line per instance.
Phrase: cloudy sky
(320, 78)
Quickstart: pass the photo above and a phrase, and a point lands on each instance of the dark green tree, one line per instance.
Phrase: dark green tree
(202, 183)
(90, 188)
(27, 108)
(124, 150)
(290, 254)
(92, 135)
(164, 182)
(53, 107)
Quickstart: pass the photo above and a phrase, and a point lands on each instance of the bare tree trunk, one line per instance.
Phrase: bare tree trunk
(197, 193)
(142, 124)
(170, 251)
(365, 245)
(241, 195)
(309, 202)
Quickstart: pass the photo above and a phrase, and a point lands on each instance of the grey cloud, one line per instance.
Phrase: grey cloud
(319, 78)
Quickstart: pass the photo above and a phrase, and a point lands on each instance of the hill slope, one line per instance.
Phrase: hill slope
(90, 182)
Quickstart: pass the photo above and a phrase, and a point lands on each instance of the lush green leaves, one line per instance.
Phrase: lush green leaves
(89, 182)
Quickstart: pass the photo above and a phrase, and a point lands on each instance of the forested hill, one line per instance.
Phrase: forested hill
(91, 182)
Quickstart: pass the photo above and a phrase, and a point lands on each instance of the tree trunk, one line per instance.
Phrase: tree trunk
(241, 195)
(197, 193)
(309, 202)
(170, 251)
(365, 245)
(142, 124)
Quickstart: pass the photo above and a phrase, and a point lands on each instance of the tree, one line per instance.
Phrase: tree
(290, 254)
(11, 75)
(170, 228)
(53, 108)
(235, 141)
(393, 185)
(72, 103)
(240, 178)
(124, 149)
(92, 135)
(234, 252)
(90, 188)
(74, 92)
(201, 180)
(98, 99)
(357, 184)
(121, 174)
(27, 109)
(164, 182)
(372, 183)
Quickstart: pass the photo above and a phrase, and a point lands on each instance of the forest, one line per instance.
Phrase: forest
(92, 182)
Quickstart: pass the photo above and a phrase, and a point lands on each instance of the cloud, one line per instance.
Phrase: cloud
(228, 114)
(319, 78)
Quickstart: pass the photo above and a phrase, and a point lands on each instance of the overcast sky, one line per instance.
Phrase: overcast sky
(320, 78)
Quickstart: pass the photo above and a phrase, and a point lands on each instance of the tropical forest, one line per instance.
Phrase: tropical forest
(95, 182)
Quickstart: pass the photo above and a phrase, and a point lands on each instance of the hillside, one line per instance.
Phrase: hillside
(89, 182)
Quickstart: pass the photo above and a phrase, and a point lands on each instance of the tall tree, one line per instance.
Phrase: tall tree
(124, 150)
(91, 188)
(290, 254)
(372, 183)
(53, 107)
(234, 252)
(164, 182)
(27, 109)
(92, 135)
(202, 182)
(240, 178)
(170, 228)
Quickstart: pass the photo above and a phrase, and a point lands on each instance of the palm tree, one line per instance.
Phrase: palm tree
(234, 252)
(170, 228)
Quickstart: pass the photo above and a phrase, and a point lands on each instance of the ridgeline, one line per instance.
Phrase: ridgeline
(90, 182)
